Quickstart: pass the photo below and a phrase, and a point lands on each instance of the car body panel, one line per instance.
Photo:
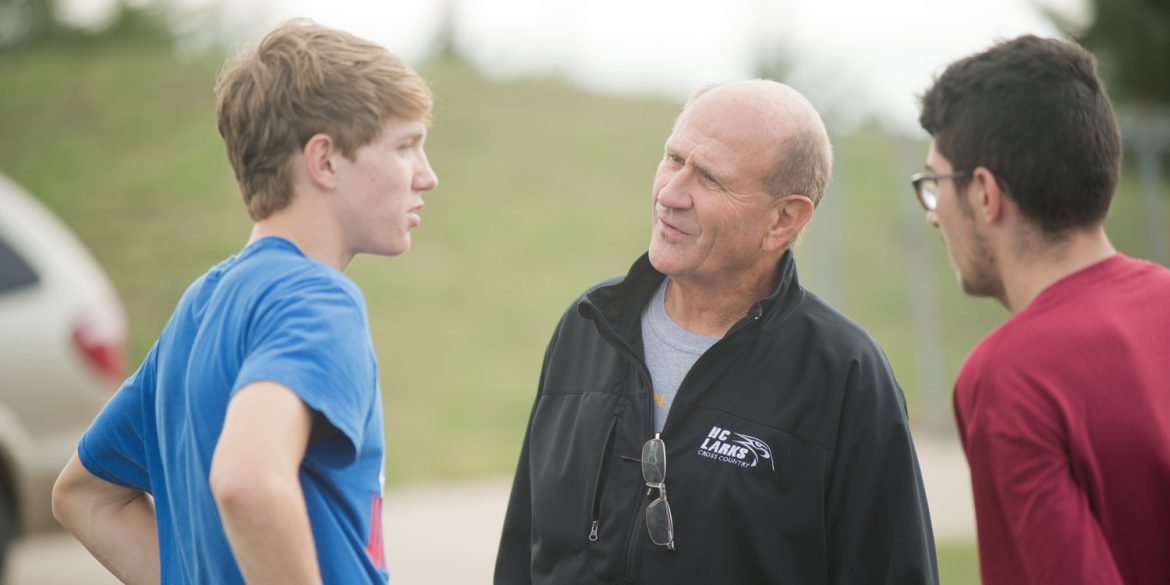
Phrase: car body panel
(49, 390)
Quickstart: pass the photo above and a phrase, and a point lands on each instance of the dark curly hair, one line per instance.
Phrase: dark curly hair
(1034, 112)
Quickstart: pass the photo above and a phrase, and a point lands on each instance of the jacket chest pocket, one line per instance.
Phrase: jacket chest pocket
(601, 477)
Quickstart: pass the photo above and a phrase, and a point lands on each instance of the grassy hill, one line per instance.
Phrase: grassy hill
(544, 189)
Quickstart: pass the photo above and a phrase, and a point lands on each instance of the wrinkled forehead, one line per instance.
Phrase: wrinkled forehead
(733, 133)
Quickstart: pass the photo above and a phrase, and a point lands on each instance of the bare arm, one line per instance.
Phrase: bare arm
(115, 523)
(256, 484)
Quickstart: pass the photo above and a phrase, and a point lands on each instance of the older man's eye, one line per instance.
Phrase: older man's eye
(708, 178)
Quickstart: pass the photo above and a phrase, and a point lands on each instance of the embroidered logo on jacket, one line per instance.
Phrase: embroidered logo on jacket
(735, 448)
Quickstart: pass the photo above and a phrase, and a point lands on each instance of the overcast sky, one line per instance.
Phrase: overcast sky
(854, 59)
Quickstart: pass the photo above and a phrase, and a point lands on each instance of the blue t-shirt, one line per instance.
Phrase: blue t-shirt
(267, 314)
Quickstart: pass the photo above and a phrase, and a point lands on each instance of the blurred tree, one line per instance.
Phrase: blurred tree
(29, 21)
(1131, 38)
(24, 20)
(446, 48)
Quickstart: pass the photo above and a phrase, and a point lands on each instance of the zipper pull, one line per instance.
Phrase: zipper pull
(593, 532)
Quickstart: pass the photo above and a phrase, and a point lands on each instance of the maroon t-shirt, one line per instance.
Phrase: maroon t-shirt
(1064, 413)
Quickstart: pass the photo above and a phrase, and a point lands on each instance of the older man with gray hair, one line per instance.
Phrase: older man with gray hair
(790, 454)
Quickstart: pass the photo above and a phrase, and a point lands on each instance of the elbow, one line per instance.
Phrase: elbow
(229, 488)
(241, 492)
(85, 504)
(60, 505)
(64, 501)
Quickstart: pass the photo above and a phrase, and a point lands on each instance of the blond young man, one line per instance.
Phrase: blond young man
(248, 445)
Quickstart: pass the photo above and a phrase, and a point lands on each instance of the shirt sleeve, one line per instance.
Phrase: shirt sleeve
(879, 522)
(114, 446)
(1033, 517)
(313, 339)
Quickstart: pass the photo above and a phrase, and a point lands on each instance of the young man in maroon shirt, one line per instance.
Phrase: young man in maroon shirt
(1064, 410)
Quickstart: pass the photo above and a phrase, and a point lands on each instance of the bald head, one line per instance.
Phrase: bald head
(763, 112)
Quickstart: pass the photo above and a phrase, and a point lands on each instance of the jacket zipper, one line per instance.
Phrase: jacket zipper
(754, 314)
(623, 348)
(632, 550)
(639, 520)
(612, 337)
(599, 481)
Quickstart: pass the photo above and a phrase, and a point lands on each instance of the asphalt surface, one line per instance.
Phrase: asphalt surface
(446, 534)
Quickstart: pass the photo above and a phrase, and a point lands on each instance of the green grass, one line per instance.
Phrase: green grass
(544, 189)
(119, 139)
(958, 563)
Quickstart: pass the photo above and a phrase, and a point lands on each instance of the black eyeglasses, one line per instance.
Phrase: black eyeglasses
(926, 186)
(658, 520)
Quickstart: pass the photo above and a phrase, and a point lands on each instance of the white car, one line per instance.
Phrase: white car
(62, 354)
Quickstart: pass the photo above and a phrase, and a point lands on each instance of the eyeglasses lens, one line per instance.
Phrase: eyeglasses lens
(659, 522)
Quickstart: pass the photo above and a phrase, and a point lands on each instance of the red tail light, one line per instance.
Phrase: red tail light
(107, 354)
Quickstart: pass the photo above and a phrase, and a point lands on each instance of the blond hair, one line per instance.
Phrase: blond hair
(306, 79)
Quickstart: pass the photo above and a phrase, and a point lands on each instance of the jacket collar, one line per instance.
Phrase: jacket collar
(619, 302)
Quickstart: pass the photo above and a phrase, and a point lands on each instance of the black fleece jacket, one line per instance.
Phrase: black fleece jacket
(789, 456)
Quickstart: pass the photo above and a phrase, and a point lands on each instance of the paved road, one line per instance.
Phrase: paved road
(446, 534)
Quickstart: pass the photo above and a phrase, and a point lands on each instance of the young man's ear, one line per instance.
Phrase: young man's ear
(317, 158)
(987, 197)
(789, 216)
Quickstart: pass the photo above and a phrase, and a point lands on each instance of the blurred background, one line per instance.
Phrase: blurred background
(549, 122)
